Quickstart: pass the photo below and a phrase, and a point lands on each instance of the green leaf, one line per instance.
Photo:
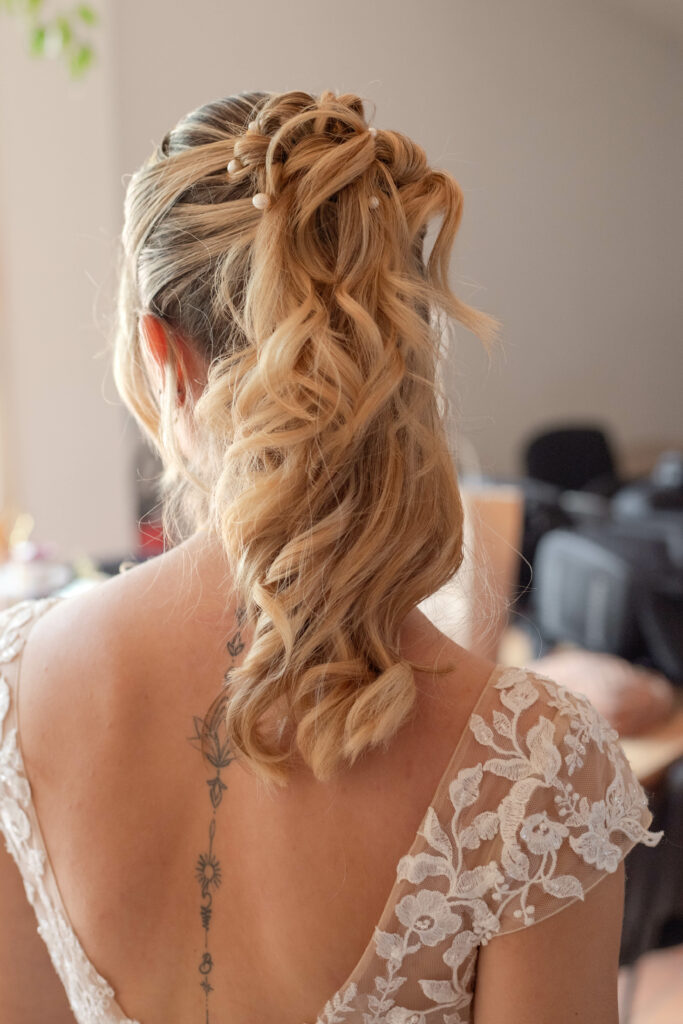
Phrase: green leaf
(87, 14)
(64, 29)
(81, 60)
(37, 40)
(57, 36)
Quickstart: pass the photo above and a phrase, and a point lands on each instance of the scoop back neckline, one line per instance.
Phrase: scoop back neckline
(390, 902)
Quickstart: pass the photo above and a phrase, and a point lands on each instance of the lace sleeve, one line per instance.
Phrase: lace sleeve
(572, 807)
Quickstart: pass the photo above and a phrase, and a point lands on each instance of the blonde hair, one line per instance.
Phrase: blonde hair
(325, 469)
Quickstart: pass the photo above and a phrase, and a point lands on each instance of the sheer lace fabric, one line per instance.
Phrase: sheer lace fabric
(537, 804)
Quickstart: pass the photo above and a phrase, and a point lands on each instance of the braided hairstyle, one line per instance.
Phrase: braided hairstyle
(323, 463)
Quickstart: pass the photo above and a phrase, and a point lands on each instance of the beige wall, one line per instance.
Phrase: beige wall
(561, 122)
(67, 442)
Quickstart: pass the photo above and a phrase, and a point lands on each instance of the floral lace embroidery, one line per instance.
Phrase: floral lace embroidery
(91, 998)
(477, 901)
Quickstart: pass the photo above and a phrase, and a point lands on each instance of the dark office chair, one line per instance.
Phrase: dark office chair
(573, 458)
(569, 476)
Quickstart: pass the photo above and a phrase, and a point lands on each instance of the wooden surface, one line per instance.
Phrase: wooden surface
(652, 753)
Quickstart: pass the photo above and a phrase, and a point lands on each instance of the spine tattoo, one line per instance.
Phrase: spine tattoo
(209, 738)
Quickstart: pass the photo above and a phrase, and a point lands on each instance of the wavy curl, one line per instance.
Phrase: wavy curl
(324, 468)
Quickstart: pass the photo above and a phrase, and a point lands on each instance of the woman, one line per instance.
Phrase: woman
(254, 783)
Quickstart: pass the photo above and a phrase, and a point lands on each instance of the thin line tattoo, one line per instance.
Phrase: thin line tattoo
(209, 738)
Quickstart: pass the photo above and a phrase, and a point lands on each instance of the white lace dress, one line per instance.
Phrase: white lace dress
(537, 804)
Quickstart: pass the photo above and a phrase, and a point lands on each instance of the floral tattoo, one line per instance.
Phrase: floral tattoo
(209, 738)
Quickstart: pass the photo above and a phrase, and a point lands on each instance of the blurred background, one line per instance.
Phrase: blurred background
(561, 121)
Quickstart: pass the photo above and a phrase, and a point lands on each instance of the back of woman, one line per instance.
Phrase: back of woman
(248, 780)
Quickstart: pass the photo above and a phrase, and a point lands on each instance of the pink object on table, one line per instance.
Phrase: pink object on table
(632, 698)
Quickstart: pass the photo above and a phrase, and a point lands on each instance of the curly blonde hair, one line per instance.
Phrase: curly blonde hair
(325, 468)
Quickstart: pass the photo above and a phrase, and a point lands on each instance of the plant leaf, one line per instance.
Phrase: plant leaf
(64, 28)
(87, 14)
(37, 40)
(81, 60)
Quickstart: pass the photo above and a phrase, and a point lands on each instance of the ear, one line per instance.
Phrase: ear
(154, 335)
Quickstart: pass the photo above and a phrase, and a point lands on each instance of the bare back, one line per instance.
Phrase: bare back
(112, 683)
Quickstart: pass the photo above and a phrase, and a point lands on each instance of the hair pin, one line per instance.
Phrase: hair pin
(373, 132)
(261, 200)
(373, 202)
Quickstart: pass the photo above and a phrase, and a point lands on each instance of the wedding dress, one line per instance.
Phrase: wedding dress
(537, 804)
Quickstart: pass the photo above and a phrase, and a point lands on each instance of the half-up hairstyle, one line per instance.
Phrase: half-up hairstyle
(323, 463)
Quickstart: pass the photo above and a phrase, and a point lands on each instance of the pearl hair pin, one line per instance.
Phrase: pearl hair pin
(262, 200)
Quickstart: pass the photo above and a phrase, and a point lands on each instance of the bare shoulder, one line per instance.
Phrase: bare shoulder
(104, 625)
(65, 628)
(73, 652)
